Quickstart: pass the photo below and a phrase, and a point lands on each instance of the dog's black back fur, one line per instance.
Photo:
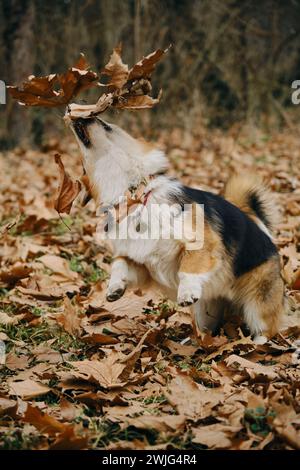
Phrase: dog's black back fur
(248, 244)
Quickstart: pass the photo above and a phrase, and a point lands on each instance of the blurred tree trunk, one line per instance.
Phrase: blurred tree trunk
(21, 64)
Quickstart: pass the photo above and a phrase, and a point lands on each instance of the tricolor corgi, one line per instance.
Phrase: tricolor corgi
(237, 262)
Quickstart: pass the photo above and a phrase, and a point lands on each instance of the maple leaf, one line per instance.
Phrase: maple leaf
(146, 66)
(68, 190)
(28, 389)
(127, 89)
(116, 70)
(40, 91)
(69, 318)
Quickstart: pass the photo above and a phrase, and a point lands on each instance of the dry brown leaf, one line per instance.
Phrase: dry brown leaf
(89, 110)
(14, 362)
(253, 369)
(5, 319)
(68, 440)
(44, 423)
(106, 372)
(67, 410)
(27, 389)
(285, 416)
(58, 265)
(215, 436)
(69, 318)
(14, 273)
(244, 343)
(116, 70)
(137, 102)
(159, 423)
(67, 190)
(126, 89)
(185, 350)
(7, 406)
(200, 400)
(145, 67)
(39, 91)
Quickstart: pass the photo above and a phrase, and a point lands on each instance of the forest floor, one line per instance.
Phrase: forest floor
(78, 372)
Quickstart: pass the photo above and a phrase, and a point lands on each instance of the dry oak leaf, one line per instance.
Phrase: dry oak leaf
(200, 400)
(127, 89)
(5, 319)
(68, 440)
(68, 190)
(44, 423)
(185, 350)
(7, 406)
(27, 389)
(146, 66)
(159, 423)
(14, 273)
(58, 265)
(253, 369)
(282, 423)
(296, 283)
(116, 70)
(67, 410)
(215, 436)
(244, 343)
(14, 362)
(69, 318)
(40, 91)
(106, 372)
(88, 110)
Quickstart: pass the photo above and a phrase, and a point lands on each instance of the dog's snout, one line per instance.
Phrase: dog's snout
(80, 126)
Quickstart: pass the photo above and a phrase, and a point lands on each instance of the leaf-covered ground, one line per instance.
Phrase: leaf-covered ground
(83, 373)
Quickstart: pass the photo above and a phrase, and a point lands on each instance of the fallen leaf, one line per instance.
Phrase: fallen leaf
(106, 372)
(59, 265)
(253, 369)
(215, 436)
(69, 318)
(159, 423)
(44, 423)
(200, 399)
(27, 389)
(7, 406)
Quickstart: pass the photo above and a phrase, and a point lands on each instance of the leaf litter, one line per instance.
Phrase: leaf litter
(81, 372)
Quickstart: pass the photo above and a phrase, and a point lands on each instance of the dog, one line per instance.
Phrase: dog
(236, 264)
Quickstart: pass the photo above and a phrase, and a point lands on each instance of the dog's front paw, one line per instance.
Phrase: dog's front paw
(186, 298)
(115, 292)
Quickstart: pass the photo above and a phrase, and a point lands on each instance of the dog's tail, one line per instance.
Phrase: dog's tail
(249, 194)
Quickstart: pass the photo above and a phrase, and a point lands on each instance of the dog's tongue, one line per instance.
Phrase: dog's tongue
(75, 111)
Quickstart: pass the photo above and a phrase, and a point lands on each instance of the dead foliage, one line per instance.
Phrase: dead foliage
(84, 373)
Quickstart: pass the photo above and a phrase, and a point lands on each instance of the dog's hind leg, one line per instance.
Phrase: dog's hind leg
(124, 272)
(261, 293)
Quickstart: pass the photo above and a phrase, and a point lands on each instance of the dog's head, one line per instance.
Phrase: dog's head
(98, 138)
(100, 141)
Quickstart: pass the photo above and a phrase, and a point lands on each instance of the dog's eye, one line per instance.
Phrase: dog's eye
(105, 125)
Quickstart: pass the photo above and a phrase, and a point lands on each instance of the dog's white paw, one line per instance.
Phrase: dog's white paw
(115, 291)
(187, 297)
(259, 339)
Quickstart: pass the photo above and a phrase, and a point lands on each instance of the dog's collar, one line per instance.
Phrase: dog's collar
(134, 196)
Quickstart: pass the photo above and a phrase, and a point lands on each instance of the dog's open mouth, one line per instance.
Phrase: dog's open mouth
(81, 128)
